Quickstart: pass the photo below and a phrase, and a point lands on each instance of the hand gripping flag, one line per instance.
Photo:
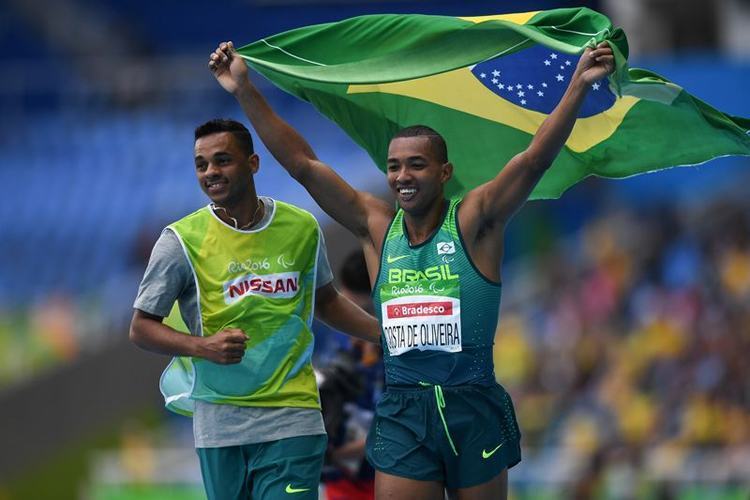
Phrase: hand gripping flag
(486, 84)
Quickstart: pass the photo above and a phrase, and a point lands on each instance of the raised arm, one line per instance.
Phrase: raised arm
(357, 211)
(494, 202)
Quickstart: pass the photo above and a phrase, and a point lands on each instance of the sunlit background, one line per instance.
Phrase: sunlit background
(625, 325)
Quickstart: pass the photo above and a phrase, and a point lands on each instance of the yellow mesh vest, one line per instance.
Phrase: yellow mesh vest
(262, 282)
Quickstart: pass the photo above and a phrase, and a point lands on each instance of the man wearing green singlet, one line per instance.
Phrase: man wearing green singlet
(443, 422)
(247, 272)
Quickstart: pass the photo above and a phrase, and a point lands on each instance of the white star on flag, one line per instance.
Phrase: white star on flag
(536, 86)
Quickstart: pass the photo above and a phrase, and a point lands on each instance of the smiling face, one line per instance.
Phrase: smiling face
(224, 170)
(416, 175)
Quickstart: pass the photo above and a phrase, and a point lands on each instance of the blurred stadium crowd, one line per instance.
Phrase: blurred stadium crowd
(627, 348)
(625, 323)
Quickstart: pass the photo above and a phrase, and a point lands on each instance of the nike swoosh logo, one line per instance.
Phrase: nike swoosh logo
(289, 489)
(391, 260)
(488, 454)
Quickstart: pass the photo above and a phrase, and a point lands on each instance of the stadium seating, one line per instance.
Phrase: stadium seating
(625, 312)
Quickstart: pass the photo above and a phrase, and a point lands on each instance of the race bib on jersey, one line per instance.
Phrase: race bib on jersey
(423, 315)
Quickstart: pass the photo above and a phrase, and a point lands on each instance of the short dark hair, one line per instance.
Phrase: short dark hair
(238, 130)
(439, 148)
(353, 272)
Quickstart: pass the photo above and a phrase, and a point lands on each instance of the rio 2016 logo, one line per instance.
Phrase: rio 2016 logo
(253, 266)
(407, 290)
(249, 266)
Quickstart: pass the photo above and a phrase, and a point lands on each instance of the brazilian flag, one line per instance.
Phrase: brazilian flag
(486, 84)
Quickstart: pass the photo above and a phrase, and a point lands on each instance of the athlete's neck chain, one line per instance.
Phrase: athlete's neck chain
(257, 215)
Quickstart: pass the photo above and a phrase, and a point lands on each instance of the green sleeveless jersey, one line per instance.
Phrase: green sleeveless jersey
(263, 282)
(438, 312)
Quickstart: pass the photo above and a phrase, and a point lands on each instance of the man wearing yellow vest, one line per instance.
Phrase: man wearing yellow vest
(434, 264)
(248, 272)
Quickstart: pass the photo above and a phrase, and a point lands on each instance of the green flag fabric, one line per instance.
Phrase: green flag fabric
(486, 84)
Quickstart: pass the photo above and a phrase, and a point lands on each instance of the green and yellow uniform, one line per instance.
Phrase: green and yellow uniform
(443, 416)
(263, 282)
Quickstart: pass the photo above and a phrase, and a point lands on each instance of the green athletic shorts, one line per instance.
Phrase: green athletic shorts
(461, 436)
(287, 468)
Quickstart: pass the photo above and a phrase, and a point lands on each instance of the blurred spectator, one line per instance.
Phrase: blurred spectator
(355, 284)
(350, 385)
